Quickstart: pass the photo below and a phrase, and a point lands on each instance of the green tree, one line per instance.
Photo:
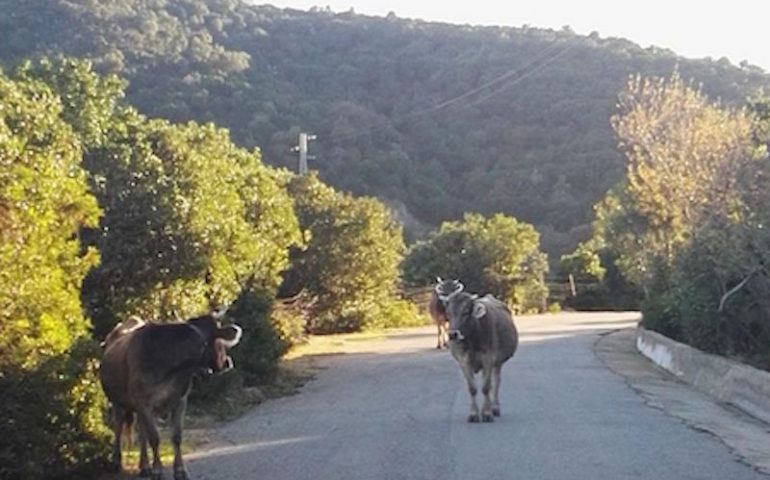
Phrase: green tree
(48, 388)
(375, 91)
(496, 254)
(89, 101)
(350, 265)
(688, 225)
(683, 152)
(189, 220)
(584, 264)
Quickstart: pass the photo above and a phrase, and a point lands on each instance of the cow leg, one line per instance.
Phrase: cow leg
(117, 418)
(496, 390)
(473, 416)
(147, 419)
(177, 420)
(444, 334)
(439, 343)
(144, 463)
(486, 388)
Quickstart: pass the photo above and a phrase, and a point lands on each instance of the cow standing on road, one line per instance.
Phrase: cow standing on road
(438, 311)
(482, 336)
(147, 369)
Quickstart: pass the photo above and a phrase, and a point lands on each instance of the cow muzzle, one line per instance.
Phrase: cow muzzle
(455, 335)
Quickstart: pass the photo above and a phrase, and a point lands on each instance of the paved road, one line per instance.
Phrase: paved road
(396, 409)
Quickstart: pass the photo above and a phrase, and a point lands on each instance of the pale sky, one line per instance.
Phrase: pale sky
(736, 29)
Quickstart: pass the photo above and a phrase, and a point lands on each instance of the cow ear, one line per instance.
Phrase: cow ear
(219, 313)
(230, 335)
(479, 310)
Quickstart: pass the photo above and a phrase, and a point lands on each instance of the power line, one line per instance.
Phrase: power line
(521, 78)
(538, 63)
(492, 82)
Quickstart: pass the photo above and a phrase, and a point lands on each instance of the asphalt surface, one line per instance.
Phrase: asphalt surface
(396, 409)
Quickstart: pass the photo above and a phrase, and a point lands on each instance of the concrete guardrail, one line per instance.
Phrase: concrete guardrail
(731, 382)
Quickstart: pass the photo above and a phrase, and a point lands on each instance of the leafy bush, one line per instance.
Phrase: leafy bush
(584, 264)
(268, 333)
(498, 255)
(189, 219)
(52, 405)
(350, 265)
(52, 422)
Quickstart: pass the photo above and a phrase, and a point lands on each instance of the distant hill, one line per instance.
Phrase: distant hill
(437, 118)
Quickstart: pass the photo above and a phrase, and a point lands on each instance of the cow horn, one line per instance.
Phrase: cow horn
(438, 280)
(234, 341)
(460, 287)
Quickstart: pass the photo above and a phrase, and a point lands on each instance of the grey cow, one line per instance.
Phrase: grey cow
(147, 369)
(482, 336)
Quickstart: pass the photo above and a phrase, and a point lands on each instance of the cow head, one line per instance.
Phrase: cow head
(446, 289)
(218, 339)
(464, 313)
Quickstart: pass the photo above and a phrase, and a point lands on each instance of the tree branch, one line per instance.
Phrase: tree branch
(735, 289)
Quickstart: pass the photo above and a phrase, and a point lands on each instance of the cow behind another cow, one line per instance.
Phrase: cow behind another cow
(438, 311)
(482, 336)
(148, 369)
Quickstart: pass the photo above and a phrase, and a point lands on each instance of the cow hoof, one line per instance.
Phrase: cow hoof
(181, 475)
(487, 418)
(473, 418)
(496, 412)
(145, 473)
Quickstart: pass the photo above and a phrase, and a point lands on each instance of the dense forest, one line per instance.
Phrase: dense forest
(435, 119)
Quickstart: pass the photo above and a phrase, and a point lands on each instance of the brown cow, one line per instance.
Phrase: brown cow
(148, 369)
(132, 323)
(437, 309)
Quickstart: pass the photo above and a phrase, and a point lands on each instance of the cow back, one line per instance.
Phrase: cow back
(152, 364)
(499, 326)
(114, 371)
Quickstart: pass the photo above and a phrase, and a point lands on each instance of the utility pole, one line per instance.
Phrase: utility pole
(302, 149)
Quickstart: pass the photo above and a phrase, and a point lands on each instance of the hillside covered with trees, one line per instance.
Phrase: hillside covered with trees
(436, 119)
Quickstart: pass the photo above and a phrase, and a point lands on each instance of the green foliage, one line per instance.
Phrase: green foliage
(52, 417)
(689, 223)
(541, 150)
(499, 254)
(43, 203)
(189, 220)
(683, 153)
(350, 265)
(51, 399)
(583, 264)
(89, 101)
(268, 333)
